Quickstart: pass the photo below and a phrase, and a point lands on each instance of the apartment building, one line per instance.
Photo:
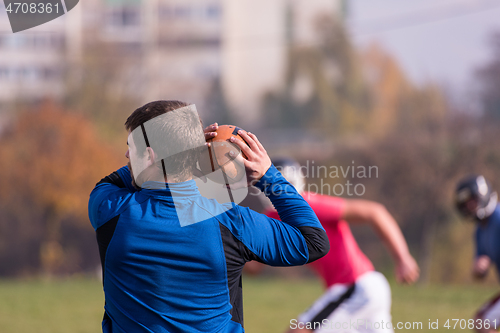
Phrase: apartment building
(178, 48)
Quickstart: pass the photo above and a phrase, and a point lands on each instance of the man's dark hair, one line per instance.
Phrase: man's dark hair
(171, 137)
(150, 111)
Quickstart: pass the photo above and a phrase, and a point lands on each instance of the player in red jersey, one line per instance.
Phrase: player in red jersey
(357, 298)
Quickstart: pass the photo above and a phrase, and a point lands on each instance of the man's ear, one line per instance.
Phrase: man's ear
(150, 156)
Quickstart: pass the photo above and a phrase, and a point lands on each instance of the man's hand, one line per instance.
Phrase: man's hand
(481, 266)
(211, 131)
(257, 162)
(407, 270)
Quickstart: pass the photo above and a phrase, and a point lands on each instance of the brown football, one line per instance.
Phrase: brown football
(217, 157)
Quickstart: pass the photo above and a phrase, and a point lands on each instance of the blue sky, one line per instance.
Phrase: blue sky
(439, 40)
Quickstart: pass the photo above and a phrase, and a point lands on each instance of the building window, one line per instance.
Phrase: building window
(124, 16)
(4, 73)
(166, 12)
(182, 12)
(213, 12)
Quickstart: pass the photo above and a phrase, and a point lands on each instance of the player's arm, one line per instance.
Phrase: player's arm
(482, 261)
(481, 266)
(299, 237)
(295, 240)
(375, 214)
(109, 195)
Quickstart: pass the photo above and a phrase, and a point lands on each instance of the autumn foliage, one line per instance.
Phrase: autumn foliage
(421, 141)
(50, 160)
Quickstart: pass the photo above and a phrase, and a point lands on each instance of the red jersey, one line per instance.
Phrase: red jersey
(345, 262)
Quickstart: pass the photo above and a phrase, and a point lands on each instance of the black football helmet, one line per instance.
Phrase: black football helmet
(475, 197)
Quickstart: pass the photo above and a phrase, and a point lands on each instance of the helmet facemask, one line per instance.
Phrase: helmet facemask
(475, 198)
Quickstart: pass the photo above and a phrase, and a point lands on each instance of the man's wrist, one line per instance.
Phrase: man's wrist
(267, 178)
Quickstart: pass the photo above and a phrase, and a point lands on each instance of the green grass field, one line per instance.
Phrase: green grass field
(75, 305)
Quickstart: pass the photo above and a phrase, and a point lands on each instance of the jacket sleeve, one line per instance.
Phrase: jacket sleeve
(480, 250)
(110, 195)
(297, 239)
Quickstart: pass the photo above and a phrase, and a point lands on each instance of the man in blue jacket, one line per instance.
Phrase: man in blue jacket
(477, 201)
(171, 258)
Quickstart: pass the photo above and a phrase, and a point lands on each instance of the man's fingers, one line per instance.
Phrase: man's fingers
(257, 142)
(242, 145)
(249, 140)
(211, 128)
(211, 131)
(210, 135)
